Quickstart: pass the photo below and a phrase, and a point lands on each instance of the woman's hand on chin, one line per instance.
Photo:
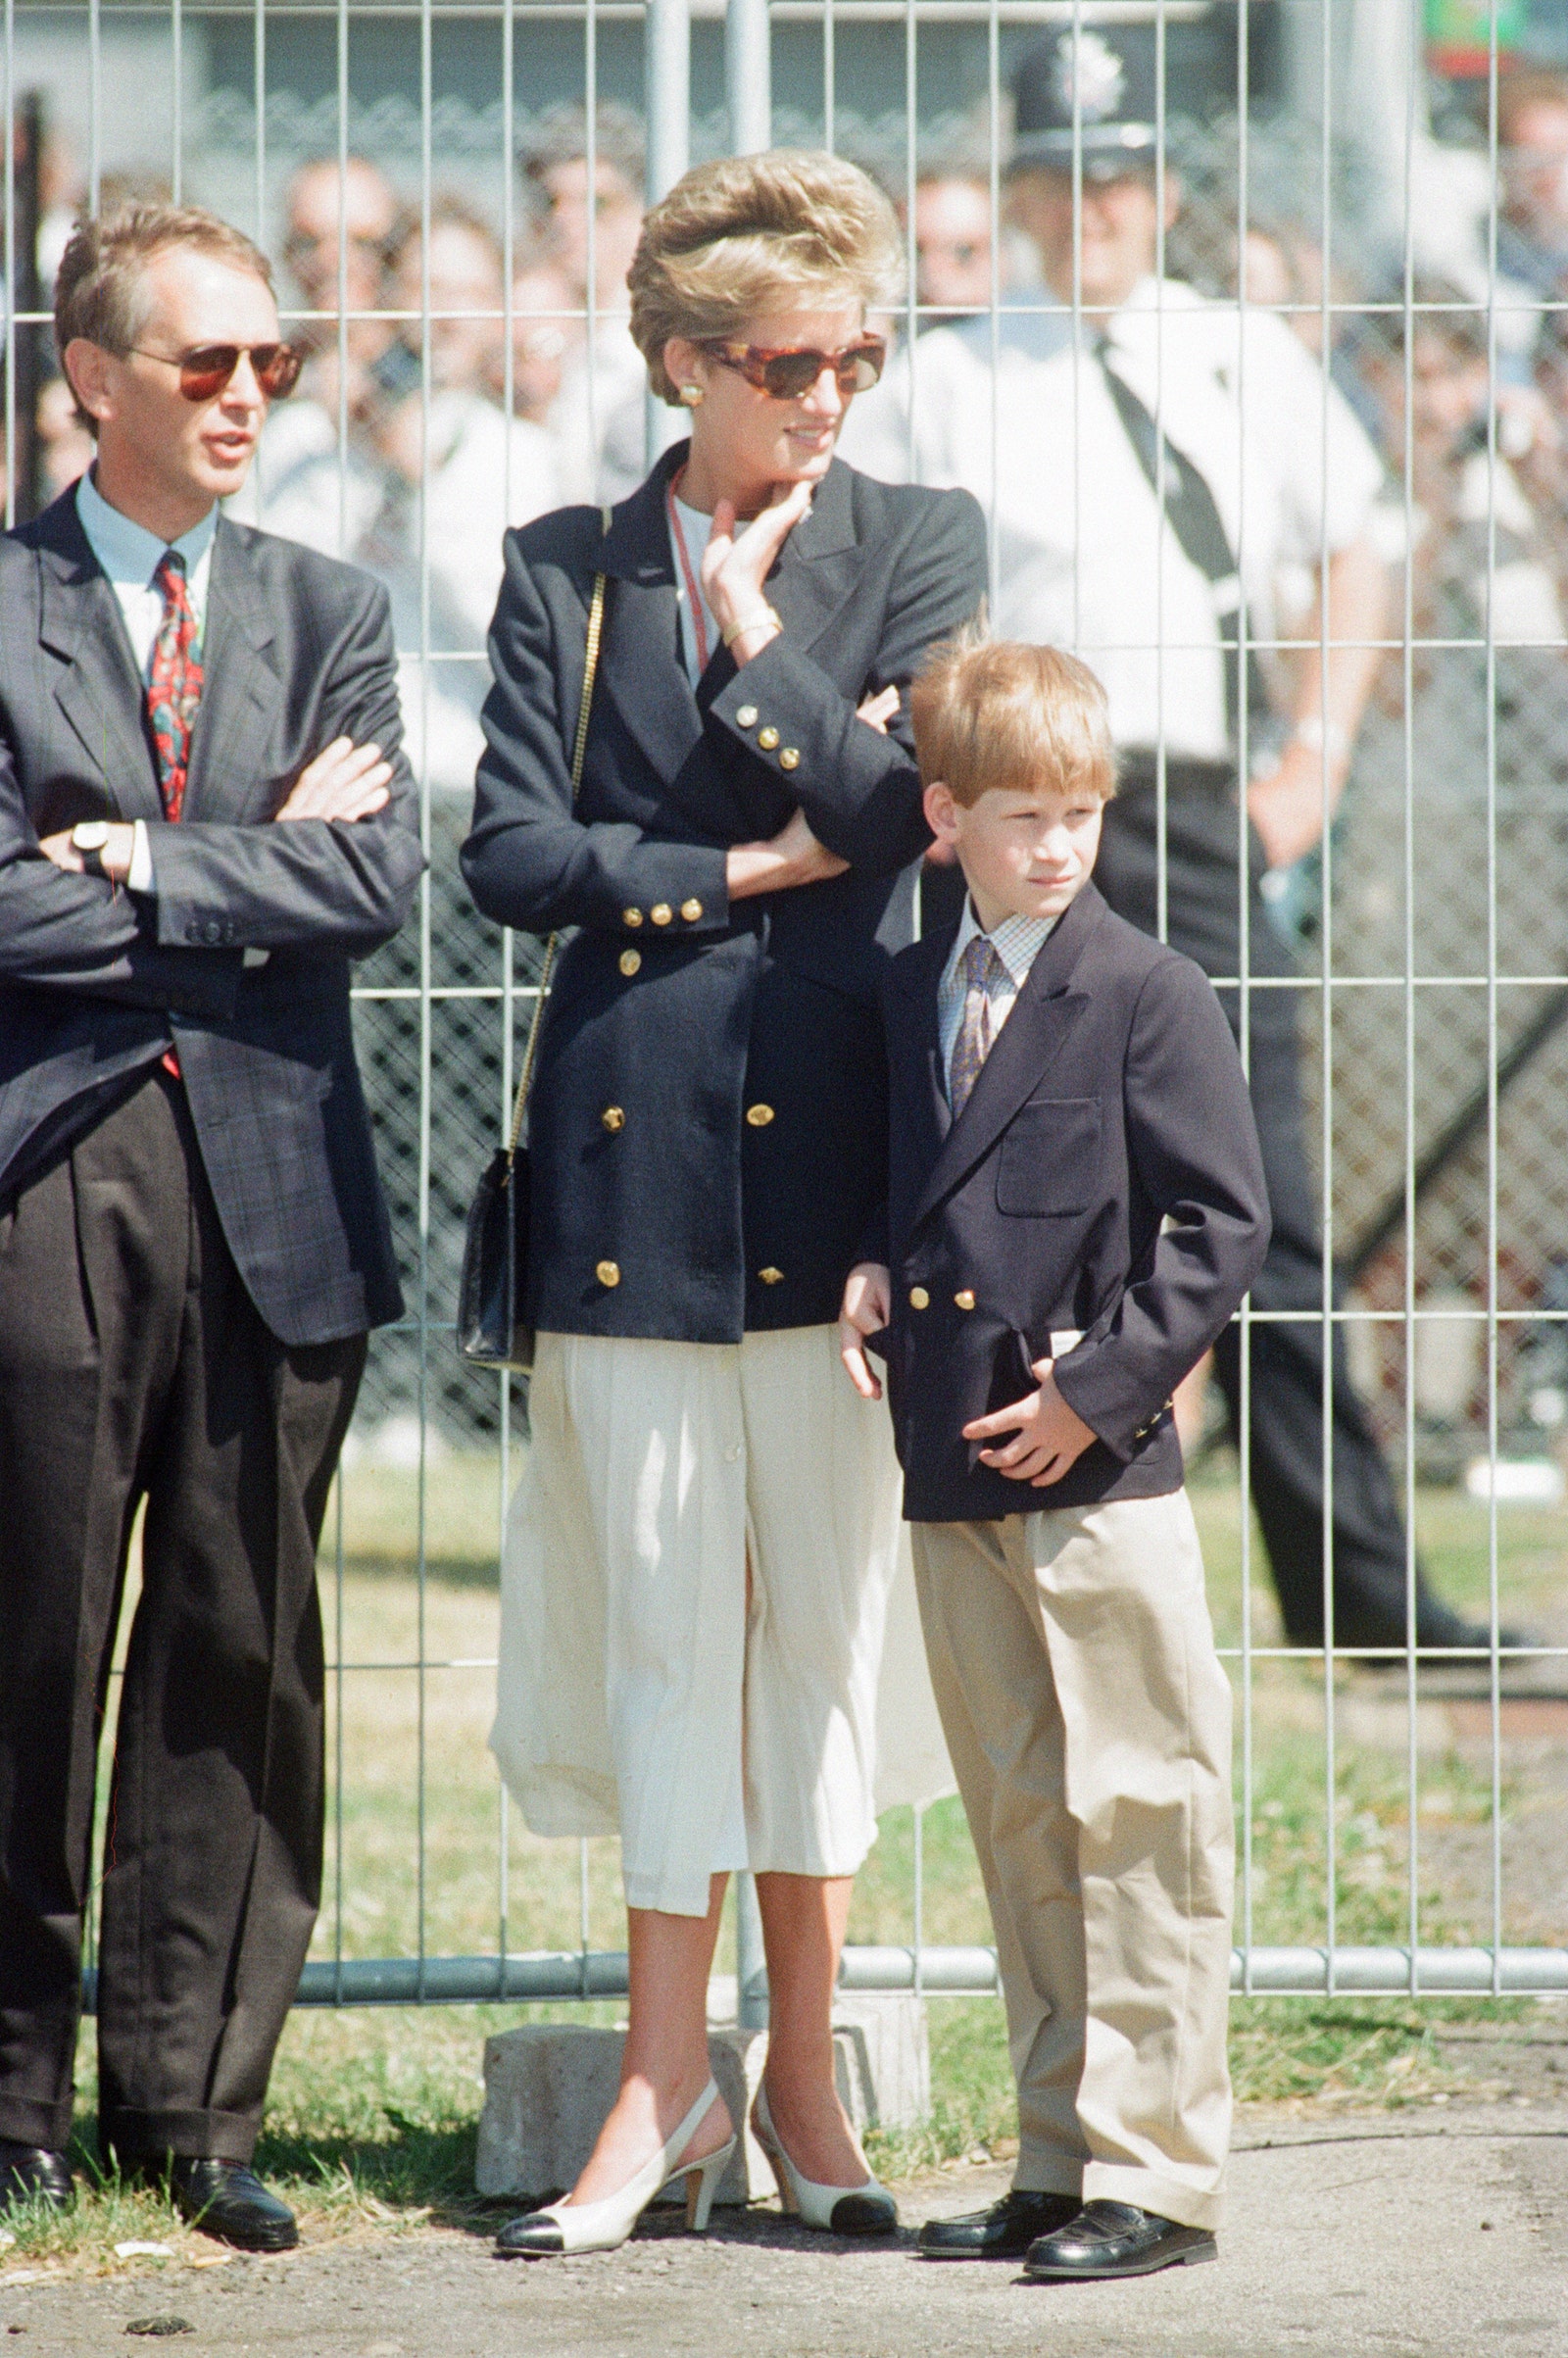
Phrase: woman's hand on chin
(790, 856)
(736, 564)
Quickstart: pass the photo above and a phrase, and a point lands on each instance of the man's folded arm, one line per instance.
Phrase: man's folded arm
(311, 883)
(61, 932)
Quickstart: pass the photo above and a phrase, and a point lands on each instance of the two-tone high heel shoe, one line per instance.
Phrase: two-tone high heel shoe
(574, 2227)
(862, 2210)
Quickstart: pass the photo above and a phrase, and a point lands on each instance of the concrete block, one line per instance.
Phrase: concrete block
(548, 2090)
(548, 2087)
(883, 2042)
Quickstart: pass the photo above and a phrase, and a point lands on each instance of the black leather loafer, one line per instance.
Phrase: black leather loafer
(1003, 2233)
(225, 2199)
(33, 2173)
(1116, 2238)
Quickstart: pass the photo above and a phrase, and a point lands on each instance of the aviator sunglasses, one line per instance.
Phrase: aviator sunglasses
(206, 368)
(788, 373)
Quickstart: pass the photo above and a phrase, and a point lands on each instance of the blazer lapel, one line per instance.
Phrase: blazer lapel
(917, 976)
(641, 666)
(240, 690)
(819, 566)
(97, 687)
(1042, 1021)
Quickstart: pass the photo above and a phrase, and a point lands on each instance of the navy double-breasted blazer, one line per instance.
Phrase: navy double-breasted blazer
(1103, 1186)
(707, 1129)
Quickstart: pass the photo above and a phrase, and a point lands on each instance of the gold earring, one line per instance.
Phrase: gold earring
(692, 396)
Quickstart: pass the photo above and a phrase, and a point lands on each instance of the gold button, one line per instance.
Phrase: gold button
(768, 738)
(661, 912)
(919, 1298)
(609, 1273)
(630, 960)
(965, 1299)
(691, 911)
(746, 717)
(631, 917)
(758, 1116)
(789, 759)
(613, 1119)
(772, 1276)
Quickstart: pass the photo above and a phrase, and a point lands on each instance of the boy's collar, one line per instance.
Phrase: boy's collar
(921, 967)
(1016, 941)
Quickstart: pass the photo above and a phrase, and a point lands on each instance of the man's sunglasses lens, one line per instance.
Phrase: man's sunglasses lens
(205, 372)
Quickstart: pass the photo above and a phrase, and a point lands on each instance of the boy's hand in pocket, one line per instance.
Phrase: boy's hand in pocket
(1051, 1435)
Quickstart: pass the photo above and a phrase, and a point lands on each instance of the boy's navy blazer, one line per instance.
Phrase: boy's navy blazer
(708, 1127)
(1104, 1180)
(96, 984)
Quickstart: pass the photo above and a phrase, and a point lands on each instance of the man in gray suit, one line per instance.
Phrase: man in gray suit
(205, 815)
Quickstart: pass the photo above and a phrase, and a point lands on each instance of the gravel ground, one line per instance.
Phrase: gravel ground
(1424, 2232)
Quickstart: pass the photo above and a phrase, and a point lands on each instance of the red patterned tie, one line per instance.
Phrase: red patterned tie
(174, 691)
(174, 685)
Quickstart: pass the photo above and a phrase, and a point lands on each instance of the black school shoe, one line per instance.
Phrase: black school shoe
(34, 2174)
(224, 2198)
(1004, 2232)
(1116, 2238)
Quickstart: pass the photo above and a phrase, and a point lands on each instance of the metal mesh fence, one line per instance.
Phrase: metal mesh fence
(420, 173)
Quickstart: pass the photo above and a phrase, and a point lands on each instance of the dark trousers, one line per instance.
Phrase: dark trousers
(1286, 1406)
(133, 1366)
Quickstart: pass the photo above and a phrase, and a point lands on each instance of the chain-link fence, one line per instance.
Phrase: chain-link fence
(451, 193)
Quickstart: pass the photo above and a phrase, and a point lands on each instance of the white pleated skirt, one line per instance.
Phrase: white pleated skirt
(641, 1692)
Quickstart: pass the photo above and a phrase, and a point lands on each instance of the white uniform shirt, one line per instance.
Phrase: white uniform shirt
(1017, 942)
(1086, 559)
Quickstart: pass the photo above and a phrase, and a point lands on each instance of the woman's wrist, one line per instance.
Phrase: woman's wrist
(749, 638)
(756, 617)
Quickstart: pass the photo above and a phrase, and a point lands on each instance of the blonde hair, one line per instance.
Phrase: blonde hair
(996, 713)
(749, 235)
(99, 294)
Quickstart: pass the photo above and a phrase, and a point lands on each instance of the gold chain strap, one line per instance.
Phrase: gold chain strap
(596, 624)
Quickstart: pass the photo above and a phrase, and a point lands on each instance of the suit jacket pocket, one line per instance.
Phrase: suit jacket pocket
(1048, 1162)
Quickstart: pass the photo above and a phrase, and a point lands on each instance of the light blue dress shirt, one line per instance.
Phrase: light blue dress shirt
(129, 555)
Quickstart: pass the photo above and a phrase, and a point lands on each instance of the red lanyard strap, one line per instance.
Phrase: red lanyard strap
(693, 587)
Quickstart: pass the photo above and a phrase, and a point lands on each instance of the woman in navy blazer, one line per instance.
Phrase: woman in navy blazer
(706, 1533)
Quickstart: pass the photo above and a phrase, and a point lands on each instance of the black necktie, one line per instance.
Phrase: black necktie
(1200, 535)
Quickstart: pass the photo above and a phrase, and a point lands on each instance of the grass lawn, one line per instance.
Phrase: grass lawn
(373, 2114)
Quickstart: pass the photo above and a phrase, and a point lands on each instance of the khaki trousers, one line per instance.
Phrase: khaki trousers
(1088, 1722)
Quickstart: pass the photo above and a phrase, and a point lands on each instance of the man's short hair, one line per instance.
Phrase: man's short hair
(562, 137)
(98, 290)
(999, 713)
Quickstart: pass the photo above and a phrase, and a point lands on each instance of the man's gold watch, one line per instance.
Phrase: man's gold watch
(88, 837)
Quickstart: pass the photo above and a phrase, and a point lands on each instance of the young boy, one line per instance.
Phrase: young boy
(1076, 1206)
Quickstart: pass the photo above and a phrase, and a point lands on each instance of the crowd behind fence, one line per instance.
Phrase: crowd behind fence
(451, 200)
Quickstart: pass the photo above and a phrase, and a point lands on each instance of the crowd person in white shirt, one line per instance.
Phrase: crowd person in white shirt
(598, 415)
(1159, 467)
(428, 479)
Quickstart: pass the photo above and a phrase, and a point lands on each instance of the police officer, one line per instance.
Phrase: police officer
(1164, 475)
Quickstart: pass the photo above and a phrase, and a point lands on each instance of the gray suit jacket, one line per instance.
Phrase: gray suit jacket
(95, 984)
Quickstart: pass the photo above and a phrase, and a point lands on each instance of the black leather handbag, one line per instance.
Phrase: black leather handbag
(492, 1290)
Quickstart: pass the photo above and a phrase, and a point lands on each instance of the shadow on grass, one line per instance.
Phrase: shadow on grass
(416, 2171)
(416, 2174)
